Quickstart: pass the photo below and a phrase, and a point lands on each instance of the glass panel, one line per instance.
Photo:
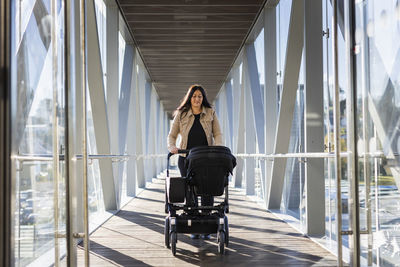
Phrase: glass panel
(121, 54)
(329, 165)
(330, 185)
(97, 212)
(378, 96)
(259, 47)
(38, 124)
(282, 29)
(293, 192)
(101, 19)
(292, 196)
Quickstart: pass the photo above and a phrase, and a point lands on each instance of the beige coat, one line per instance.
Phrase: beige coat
(182, 126)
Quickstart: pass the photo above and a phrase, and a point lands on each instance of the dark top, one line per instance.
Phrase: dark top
(197, 136)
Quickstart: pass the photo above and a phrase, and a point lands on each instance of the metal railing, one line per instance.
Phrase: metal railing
(126, 157)
(114, 158)
(377, 154)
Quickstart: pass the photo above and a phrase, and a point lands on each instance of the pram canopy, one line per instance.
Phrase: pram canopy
(208, 168)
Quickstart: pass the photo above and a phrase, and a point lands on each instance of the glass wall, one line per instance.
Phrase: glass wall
(282, 27)
(377, 70)
(38, 126)
(377, 37)
(293, 196)
(39, 133)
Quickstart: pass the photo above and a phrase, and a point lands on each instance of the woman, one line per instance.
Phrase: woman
(198, 125)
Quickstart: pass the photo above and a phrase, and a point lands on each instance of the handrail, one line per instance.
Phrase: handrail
(377, 154)
(49, 157)
(289, 155)
(126, 157)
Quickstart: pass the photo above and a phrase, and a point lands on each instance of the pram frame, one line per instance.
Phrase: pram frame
(204, 222)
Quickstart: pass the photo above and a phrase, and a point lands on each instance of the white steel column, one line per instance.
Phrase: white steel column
(229, 107)
(270, 96)
(140, 144)
(160, 135)
(290, 84)
(250, 146)
(96, 90)
(151, 137)
(147, 119)
(123, 110)
(240, 100)
(131, 133)
(257, 104)
(314, 124)
(112, 86)
(222, 116)
(112, 73)
(255, 90)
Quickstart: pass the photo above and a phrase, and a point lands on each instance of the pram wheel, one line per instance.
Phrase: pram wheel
(173, 242)
(166, 232)
(221, 242)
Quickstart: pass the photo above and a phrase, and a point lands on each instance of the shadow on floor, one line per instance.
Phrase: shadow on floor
(272, 231)
(112, 256)
(244, 252)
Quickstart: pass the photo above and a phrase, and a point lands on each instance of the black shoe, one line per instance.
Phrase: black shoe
(206, 237)
(193, 236)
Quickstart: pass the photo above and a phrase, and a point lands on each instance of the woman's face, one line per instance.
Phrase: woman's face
(197, 99)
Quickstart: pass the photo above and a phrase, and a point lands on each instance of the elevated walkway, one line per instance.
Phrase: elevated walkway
(135, 237)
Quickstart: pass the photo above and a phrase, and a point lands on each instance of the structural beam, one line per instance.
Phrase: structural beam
(270, 96)
(123, 110)
(140, 128)
(110, 63)
(239, 88)
(158, 130)
(112, 73)
(258, 105)
(147, 123)
(250, 135)
(290, 84)
(131, 133)
(314, 124)
(98, 104)
(229, 103)
(257, 99)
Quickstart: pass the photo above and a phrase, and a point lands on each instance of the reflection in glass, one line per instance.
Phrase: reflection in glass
(34, 64)
(378, 113)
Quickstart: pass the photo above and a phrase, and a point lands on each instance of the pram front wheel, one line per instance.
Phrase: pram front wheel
(221, 242)
(173, 242)
(166, 232)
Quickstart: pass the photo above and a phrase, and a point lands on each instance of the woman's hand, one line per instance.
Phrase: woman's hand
(174, 150)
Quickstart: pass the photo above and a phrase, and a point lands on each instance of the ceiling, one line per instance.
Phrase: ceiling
(183, 42)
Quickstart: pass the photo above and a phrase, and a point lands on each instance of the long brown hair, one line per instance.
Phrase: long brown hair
(185, 104)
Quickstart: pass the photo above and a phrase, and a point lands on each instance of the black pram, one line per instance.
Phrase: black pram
(208, 169)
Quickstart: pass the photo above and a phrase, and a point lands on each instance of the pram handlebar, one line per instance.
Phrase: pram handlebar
(170, 154)
(180, 151)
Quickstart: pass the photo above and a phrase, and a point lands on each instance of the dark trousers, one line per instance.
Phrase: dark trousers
(205, 200)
